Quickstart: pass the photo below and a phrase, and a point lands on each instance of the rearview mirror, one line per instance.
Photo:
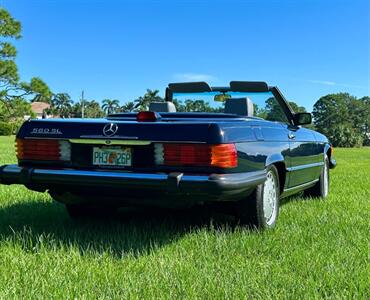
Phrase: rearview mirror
(302, 118)
(221, 97)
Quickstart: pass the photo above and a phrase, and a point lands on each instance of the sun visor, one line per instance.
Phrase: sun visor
(249, 86)
(190, 87)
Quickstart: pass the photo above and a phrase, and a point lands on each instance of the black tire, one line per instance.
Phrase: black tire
(321, 188)
(253, 211)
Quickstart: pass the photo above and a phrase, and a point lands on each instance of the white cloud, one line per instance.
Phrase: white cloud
(332, 83)
(194, 77)
(323, 82)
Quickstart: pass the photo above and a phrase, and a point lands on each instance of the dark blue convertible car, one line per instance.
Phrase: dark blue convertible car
(247, 157)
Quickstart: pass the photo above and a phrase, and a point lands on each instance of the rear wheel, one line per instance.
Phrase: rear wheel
(321, 188)
(261, 208)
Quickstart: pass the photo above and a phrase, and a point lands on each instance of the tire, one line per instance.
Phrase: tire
(260, 209)
(321, 188)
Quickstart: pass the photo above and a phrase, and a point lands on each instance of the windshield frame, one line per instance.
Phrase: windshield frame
(288, 111)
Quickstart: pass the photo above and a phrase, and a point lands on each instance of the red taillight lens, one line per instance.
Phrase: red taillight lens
(43, 149)
(223, 155)
(147, 116)
(187, 154)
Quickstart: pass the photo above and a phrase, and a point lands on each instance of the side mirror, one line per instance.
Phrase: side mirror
(302, 118)
(221, 97)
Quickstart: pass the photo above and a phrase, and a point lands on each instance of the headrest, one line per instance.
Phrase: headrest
(162, 107)
(239, 106)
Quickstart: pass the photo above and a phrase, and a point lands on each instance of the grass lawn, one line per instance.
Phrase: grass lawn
(318, 249)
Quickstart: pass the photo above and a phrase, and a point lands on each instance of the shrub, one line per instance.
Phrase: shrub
(366, 139)
(16, 124)
(345, 136)
(6, 128)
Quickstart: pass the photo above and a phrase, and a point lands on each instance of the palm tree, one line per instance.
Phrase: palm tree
(62, 104)
(142, 103)
(110, 106)
(128, 107)
(93, 110)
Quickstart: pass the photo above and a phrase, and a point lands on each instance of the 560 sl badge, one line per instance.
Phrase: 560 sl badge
(46, 131)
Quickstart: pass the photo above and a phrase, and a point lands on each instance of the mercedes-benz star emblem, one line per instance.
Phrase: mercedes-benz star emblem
(110, 129)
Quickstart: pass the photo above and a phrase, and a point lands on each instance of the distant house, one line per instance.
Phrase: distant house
(39, 109)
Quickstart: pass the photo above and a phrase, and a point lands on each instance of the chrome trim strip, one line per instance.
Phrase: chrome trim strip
(301, 186)
(301, 167)
(14, 169)
(103, 138)
(108, 141)
(43, 138)
(105, 174)
(194, 178)
(96, 136)
(181, 142)
(11, 169)
(128, 137)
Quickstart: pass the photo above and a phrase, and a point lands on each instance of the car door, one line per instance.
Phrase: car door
(305, 161)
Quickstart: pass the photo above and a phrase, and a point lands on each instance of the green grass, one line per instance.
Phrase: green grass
(319, 248)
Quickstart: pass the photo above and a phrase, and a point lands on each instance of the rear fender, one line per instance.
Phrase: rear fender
(277, 159)
(274, 158)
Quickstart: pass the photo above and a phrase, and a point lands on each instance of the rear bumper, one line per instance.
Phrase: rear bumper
(207, 187)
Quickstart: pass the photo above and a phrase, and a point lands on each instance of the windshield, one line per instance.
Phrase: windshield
(265, 104)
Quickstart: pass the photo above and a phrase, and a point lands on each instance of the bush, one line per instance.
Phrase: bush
(345, 136)
(366, 139)
(10, 127)
(6, 128)
(16, 124)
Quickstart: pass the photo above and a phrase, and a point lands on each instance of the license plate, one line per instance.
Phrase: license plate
(112, 156)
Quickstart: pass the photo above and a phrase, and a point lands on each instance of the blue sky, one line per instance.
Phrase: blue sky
(117, 49)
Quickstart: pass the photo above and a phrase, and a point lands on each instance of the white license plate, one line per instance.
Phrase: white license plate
(112, 156)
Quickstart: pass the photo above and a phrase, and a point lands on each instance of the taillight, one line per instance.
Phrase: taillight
(43, 149)
(147, 116)
(224, 156)
(203, 155)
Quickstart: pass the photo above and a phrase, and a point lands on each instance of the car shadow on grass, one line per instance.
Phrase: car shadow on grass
(37, 225)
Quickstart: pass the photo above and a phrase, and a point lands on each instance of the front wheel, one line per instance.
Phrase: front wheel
(261, 208)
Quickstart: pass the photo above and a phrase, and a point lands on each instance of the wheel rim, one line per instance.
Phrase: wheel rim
(326, 179)
(270, 198)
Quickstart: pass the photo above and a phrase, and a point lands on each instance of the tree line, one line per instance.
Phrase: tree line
(63, 106)
(343, 118)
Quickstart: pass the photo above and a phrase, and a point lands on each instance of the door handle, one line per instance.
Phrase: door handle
(291, 136)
